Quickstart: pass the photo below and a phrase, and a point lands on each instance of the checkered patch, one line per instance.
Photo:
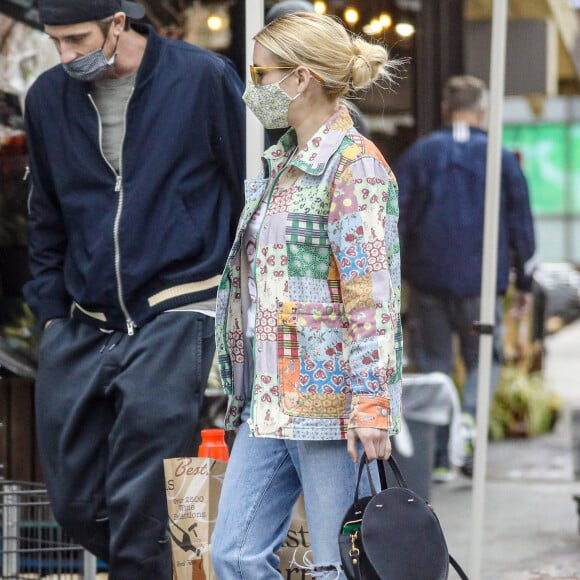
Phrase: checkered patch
(307, 229)
(287, 338)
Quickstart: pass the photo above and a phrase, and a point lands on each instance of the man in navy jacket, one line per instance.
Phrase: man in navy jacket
(442, 197)
(136, 147)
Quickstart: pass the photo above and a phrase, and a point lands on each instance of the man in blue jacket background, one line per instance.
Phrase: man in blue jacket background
(136, 147)
(442, 198)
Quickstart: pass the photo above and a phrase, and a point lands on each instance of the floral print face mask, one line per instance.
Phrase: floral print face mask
(269, 103)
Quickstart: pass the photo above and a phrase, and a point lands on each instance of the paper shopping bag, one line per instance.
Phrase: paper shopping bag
(193, 486)
(295, 553)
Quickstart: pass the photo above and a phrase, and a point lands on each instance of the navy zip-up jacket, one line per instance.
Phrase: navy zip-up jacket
(442, 198)
(116, 249)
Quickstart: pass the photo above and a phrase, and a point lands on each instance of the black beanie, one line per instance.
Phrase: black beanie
(59, 12)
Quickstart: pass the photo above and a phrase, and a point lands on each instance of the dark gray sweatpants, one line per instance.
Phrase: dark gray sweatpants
(109, 409)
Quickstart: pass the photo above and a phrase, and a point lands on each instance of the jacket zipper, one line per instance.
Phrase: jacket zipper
(25, 179)
(121, 196)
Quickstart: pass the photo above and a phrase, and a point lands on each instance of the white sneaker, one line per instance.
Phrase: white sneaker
(443, 475)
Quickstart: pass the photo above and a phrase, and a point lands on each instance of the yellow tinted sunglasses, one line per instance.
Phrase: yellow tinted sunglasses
(256, 70)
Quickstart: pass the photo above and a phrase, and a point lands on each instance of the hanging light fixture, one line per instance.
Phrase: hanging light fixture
(207, 25)
(320, 7)
(386, 20)
(351, 15)
(373, 28)
(215, 22)
(404, 29)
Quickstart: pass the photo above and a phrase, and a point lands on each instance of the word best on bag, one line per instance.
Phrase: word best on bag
(193, 487)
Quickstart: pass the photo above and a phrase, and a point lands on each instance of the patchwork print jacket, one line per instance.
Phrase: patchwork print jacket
(328, 343)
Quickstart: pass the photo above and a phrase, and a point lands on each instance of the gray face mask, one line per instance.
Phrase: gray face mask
(92, 66)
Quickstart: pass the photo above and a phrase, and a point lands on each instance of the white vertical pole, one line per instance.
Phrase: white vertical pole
(254, 130)
(10, 541)
(89, 566)
(489, 276)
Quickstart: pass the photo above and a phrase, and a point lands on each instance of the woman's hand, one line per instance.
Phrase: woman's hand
(375, 442)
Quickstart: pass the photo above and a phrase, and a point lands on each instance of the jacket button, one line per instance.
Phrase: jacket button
(384, 412)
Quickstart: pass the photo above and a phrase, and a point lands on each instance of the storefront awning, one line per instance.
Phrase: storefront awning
(564, 19)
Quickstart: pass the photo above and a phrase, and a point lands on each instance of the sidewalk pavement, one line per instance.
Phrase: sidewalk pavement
(531, 528)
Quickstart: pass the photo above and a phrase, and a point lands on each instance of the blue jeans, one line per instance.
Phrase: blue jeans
(263, 481)
(432, 322)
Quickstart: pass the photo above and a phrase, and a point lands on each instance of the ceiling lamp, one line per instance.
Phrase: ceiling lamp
(373, 27)
(405, 29)
(385, 20)
(320, 7)
(351, 15)
(215, 22)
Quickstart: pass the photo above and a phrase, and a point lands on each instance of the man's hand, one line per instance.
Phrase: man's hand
(375, 442)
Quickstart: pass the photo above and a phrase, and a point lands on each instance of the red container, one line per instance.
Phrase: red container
(213, 445)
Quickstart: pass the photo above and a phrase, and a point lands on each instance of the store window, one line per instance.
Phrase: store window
(25, 52)
(17, 337)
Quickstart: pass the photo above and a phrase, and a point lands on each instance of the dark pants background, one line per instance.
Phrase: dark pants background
(109, 409)
(433, 320)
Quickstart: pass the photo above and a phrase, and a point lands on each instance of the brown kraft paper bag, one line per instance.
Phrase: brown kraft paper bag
(193, 486)
(295, 553)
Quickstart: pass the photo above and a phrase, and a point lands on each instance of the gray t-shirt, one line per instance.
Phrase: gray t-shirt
(111, 97)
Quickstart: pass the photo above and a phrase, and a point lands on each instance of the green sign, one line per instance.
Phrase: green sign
(550, 156)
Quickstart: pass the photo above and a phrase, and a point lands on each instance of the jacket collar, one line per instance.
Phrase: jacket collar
(315, 155)
(148, 63)
(472, 129)
(151, 54)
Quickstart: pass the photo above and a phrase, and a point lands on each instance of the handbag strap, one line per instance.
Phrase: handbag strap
(458, 568)
(364, 462)
(401, 481)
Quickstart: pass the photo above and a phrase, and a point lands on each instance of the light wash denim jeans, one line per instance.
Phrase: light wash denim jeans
(263, 480)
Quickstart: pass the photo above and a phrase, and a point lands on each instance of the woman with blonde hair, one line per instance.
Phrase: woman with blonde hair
(308, 328)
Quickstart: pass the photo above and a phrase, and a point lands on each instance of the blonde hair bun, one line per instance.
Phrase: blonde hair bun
(341, 61)
(367, 63)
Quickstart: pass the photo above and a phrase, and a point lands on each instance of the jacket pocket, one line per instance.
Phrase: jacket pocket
(313, 373)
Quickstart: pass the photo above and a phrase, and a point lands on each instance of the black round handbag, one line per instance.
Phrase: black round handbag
(393, 534)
